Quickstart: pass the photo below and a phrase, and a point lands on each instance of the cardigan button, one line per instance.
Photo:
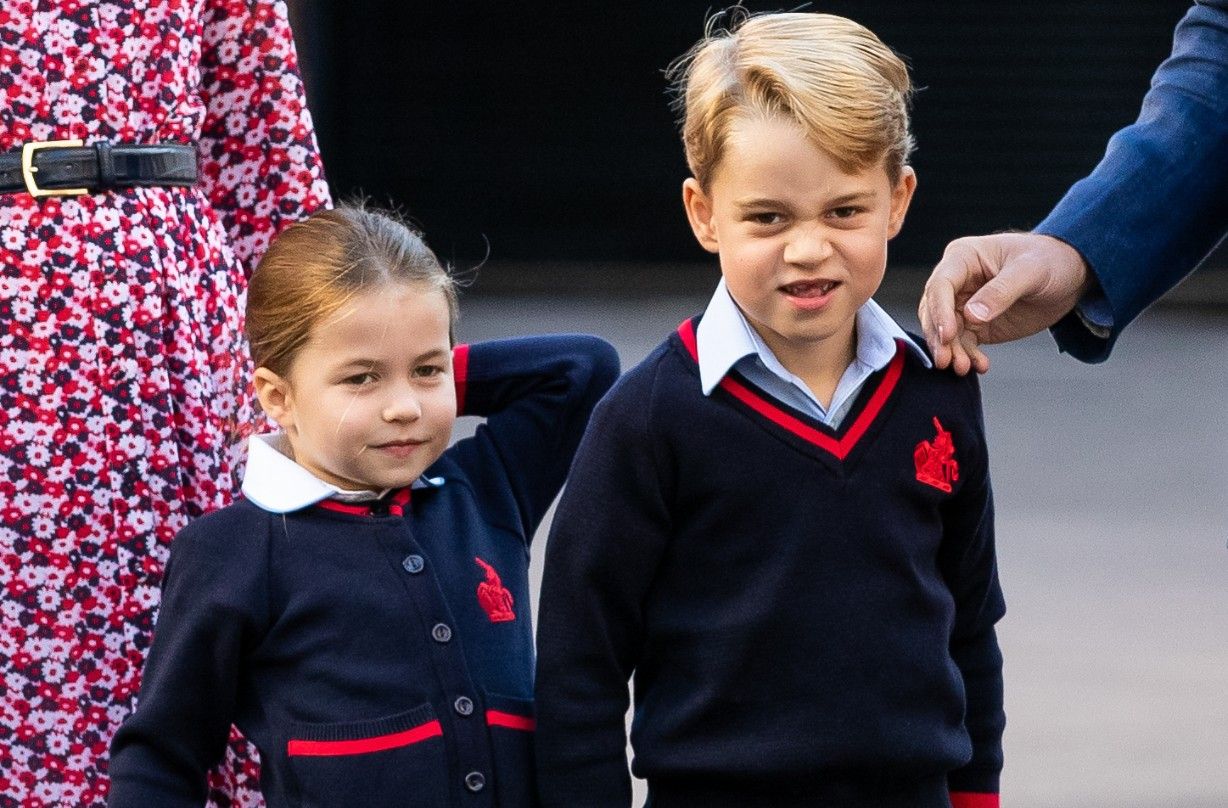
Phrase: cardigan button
(475, 781)
(413, 564)
(441, 633)
(463, 705)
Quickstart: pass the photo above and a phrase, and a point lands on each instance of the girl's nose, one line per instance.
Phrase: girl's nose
(404, 406)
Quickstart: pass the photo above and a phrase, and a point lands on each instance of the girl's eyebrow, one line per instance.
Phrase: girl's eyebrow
(358, 363)
(434, 354)
(371, 364)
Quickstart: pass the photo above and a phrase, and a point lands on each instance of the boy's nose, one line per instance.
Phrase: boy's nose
(809, 245)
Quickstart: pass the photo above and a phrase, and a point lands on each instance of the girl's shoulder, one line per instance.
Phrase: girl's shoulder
(233, 531)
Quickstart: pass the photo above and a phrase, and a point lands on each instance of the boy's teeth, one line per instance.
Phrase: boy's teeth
(810, 287)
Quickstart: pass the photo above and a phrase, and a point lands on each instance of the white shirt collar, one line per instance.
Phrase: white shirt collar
(724, 337)
(277, 484)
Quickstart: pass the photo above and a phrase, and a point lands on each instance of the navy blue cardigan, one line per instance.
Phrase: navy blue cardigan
(373, 655)
(808, 613)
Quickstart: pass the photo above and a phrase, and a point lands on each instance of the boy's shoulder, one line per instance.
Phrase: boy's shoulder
(945, 378)
(659, 378)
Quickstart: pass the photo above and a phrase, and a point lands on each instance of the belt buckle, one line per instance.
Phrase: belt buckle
(28, 169)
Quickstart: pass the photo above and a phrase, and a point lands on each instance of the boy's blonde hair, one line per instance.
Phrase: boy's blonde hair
(316, 266)
(846, 89)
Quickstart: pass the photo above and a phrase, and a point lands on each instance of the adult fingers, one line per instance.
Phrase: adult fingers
(971, 344)
(936, 310)
(1015, 281)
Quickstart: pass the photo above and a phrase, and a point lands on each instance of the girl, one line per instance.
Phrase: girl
(363, 613)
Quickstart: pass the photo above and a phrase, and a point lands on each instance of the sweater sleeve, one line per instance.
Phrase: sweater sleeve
(1158, 201)
(606, 541)
(536, 394)
(969, 567)
(213, 610)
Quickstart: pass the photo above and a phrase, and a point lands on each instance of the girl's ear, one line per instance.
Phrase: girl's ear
(699, 213)
(276, 397)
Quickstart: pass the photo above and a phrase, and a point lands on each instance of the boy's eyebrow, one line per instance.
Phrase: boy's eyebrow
(768, 202)
(757, 202)
(856, 196)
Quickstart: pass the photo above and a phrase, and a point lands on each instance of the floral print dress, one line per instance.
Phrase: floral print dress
(123, 373)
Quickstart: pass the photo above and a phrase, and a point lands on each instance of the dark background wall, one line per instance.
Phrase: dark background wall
(542, 132)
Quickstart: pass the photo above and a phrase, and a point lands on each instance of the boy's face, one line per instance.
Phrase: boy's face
(369, 400)
(802, 243)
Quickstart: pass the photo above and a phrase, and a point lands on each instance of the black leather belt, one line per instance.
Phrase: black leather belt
(68, 168)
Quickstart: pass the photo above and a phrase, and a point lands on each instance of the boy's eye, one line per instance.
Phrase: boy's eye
(427, 371)
(765, 218)
(846, 212)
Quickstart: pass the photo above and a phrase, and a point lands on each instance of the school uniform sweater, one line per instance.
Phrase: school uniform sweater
(378, 655)
(808, 613)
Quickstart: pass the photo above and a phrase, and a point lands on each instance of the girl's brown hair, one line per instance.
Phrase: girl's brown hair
(314, 267)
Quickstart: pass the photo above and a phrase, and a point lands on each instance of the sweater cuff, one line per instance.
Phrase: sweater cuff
(460, 375)
(970, 799)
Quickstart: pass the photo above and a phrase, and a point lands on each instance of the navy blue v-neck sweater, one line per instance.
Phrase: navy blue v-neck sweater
(377, 656)
(808, 613)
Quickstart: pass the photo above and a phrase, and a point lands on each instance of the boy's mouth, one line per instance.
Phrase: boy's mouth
(809, 289)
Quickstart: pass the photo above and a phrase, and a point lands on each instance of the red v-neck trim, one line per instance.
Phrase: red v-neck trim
(768, 408)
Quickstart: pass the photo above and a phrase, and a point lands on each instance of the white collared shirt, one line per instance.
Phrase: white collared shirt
(277, 484)
(725, 340)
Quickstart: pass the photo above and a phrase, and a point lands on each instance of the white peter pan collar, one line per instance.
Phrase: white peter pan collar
(275, 483)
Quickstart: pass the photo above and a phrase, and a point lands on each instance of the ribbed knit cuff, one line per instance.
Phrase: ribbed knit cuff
(460, 375)
(969, 799)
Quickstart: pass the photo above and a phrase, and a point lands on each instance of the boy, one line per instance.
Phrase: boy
(781, 520)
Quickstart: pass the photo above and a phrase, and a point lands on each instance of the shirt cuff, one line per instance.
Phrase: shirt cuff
(969, 799)
(1095, 313)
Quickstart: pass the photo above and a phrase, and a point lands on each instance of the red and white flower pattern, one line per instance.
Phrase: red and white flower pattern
(123, 373)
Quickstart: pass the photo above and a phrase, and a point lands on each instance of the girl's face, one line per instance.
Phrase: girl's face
(369, 401)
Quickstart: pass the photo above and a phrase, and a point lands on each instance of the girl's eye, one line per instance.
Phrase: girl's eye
(359, 379)
(427, 371)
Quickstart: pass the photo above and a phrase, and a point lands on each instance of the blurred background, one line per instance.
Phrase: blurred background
(537, 140)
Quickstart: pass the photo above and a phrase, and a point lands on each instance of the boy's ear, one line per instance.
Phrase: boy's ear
(699, 213)
(901, 196)
(275, 397)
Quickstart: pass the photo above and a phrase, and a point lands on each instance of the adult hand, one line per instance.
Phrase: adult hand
(990, 289)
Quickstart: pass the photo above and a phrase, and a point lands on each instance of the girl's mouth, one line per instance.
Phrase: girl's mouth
(399, 448)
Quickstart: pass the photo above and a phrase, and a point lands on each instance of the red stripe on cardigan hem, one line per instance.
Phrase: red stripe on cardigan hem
(498, 718)
(460, 374)
(769, 409)
(362, 746)
(969, 799)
